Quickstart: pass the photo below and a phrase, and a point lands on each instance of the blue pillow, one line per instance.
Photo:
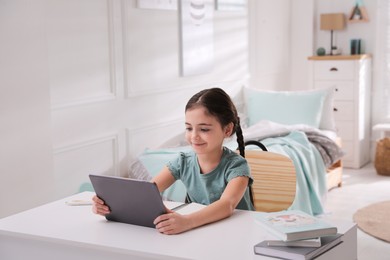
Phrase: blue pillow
(155, 160)
(285, 107)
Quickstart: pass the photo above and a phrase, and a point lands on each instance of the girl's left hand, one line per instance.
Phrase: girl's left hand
(172, 223)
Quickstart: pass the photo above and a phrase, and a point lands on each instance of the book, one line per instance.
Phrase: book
(183, 208)
(313, 242)
(294, 225)
(298, 253)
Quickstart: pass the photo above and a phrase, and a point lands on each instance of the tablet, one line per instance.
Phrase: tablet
(130, 201)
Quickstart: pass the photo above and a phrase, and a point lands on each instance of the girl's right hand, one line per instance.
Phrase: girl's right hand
(99, 207)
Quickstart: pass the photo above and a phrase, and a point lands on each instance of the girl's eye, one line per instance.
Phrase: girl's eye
(204, 130)
(188, 129)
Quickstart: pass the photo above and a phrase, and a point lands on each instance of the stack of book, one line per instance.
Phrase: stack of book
(299, 235)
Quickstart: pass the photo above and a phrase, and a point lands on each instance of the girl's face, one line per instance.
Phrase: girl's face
(204, 132)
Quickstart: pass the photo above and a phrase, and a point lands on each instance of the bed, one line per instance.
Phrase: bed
(297, 124)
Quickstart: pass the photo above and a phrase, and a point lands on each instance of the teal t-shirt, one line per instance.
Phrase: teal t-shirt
(207, 188)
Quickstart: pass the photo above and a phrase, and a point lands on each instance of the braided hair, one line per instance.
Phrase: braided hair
(219, 104)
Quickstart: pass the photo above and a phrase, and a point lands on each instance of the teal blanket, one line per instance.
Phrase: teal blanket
(310, 170)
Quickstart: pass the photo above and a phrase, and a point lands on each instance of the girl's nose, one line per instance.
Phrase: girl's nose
(195, 135)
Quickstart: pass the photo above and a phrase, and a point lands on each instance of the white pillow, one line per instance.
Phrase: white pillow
(312, 107)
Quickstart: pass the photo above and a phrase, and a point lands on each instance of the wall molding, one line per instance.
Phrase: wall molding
(83, 101)
(157, 4)
(159, 133)
(112, 137)
(112, 94)
(129, 88)
(175, 82)
(164, 89)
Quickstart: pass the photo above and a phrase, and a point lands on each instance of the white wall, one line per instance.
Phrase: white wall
(88, 84)
(281, 40)
(270, 44)
(301, 42)
(26, 159)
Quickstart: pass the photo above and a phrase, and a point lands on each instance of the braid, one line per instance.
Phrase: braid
(240, 138)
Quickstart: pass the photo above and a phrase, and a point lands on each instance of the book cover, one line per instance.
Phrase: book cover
(294, 225)
(298, 253)
(314, 242)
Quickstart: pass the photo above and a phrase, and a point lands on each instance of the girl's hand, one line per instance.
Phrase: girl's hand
(172, 223)
(99, 207)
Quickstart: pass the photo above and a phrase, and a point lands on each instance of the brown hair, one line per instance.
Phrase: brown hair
(219, 104)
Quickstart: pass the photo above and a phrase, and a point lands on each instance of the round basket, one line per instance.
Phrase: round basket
(382, 156)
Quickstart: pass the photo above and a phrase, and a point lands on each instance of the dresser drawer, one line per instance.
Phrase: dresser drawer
(345, 129)
(343, 90)
(334, 70)
(343, 110)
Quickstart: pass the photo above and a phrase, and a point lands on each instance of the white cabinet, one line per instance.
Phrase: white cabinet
(350, 76)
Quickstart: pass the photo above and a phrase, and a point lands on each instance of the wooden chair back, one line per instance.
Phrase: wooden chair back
(274, 178)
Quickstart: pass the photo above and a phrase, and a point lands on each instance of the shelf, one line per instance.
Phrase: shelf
(340, 57)
(360, 12)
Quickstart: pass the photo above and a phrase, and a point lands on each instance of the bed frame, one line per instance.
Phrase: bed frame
(274, 180)
(274, 176)
(335, 172)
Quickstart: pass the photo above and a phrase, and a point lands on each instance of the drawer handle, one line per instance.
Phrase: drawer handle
(336, 89)
(335, 109)
(334, 69)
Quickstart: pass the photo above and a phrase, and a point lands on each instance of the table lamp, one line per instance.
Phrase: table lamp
(331, 22)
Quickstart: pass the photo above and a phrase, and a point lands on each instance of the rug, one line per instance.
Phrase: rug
(375, 220)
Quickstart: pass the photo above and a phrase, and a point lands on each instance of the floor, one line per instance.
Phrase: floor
(360, 188)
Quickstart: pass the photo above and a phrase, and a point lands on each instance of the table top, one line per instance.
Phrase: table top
(231, 238)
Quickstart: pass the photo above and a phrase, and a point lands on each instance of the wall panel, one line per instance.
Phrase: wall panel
(141, 138)
(81, 54)
(151, 51)
(74, 162)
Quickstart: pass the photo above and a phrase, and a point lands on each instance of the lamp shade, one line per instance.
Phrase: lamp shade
(334, 21)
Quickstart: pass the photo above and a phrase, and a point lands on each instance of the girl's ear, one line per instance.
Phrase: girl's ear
(229, 129)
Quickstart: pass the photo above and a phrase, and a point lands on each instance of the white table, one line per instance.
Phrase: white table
(58, 231)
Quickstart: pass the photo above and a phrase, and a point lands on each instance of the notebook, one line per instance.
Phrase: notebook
(298, 253)
(130, 201)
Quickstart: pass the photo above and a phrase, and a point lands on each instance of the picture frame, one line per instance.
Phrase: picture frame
(196, 36)
(230, 5)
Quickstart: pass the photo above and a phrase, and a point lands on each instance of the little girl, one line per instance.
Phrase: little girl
(212, 174)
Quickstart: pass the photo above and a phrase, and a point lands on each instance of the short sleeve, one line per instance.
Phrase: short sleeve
(237, 166)
(175, 165)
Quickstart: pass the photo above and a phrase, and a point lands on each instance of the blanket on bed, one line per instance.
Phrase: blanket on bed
(322, 140)
(310, 170)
